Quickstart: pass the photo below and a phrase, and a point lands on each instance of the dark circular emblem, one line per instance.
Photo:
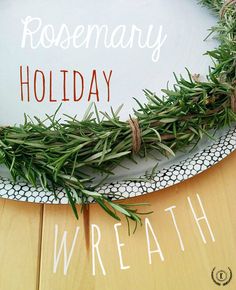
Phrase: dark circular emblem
(221, 277)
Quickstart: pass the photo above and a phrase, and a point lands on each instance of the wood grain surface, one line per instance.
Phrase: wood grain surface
(191, 232)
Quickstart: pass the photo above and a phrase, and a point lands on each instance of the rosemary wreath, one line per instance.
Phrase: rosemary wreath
(55, 154)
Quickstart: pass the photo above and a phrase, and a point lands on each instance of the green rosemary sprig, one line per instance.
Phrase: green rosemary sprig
(56, 154)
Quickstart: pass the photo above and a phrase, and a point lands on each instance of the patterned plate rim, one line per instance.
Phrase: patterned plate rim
(177, 172)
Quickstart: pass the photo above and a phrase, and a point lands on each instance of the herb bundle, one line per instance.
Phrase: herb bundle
(60, 154)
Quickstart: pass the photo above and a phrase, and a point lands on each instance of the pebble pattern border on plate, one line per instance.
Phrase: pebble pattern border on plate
(164, 178)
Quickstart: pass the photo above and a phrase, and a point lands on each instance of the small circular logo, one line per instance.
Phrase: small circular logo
(221, 277)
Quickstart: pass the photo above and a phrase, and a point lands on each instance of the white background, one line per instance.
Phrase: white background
(184, 22)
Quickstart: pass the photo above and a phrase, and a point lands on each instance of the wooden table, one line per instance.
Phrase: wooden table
(190, 237)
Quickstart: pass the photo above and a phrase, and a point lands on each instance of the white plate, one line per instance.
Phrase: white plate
(179, 27)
